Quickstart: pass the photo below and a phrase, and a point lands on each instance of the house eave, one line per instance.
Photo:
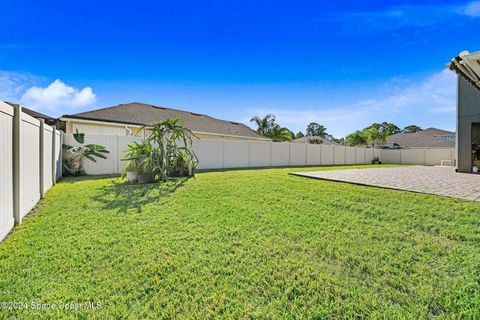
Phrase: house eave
(467, 66)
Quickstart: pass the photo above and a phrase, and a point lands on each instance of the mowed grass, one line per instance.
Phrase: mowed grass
(243, 244)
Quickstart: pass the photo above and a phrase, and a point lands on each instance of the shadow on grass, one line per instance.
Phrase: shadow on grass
(123, 197)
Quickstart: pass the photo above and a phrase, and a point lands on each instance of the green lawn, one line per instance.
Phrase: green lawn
(244, 244)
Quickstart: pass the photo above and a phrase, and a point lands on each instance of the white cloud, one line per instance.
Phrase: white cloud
(430, 102)
(57, 97)
(13, 83)
(472, 9)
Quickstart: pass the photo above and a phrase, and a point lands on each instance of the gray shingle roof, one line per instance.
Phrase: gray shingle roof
(428, 138)
(145, 114)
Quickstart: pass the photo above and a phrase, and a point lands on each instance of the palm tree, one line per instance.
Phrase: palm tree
(264, 124)
(376, 136)
(279, 134)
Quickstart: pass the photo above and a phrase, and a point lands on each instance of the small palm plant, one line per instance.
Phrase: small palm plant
(139, 166)
(74, 155)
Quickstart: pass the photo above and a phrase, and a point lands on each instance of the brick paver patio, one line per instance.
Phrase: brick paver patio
(442, 181)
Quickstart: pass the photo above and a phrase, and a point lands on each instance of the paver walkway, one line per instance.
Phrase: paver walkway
(442, 181)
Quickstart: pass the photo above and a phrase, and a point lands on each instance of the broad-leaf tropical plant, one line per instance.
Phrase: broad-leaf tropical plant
(74, 155)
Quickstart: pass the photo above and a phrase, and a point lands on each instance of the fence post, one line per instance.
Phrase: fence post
(42, 147)
(60, 156)
(54, 162)
(117, 168)
(271, 147)
(289, 154)
(17, 122)
(223, 154)
(306, 153)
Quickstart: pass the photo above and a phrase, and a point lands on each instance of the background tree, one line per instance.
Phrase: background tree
(375, 136)
(292, 135)
(279, 134)
(412, 129)
(316, 129)
(386, 127)
(299, 135)
(357, 138)
(264, 124)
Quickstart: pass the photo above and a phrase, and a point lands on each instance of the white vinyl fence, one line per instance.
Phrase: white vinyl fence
(30, 163)
(225, 154)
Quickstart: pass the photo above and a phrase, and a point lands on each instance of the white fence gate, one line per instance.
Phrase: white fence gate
(30, 163)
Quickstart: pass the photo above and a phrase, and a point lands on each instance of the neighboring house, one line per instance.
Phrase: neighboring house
(315, 140)
(128, 119)
(428, 138)
(467, 66)
(47, 119)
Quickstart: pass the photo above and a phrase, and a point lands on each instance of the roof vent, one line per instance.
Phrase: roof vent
(234, 122)
(163, 108)
(196, 114)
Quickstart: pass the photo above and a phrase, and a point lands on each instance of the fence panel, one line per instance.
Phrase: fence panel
(298, 154)
(29, 164)
(435, 156)
(47, 157)
(369, 155)
(413, 156)
(339, 155)
(391, 156)
(360, 155)
(259, 153)
(280, 154)
(58, 155)
(6, 172)
(326, 155)
(209, 153)
(350, 155)
(314, 154)
(235, 154)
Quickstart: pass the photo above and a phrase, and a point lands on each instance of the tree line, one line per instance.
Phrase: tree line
(376, 134)
(268, 127)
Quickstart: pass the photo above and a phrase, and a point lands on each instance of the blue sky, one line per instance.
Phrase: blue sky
(344, 64)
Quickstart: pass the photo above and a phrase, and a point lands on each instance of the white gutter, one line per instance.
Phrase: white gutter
(120, 124)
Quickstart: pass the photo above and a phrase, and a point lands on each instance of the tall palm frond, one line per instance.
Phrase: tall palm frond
(279, 134)
(264, 124)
